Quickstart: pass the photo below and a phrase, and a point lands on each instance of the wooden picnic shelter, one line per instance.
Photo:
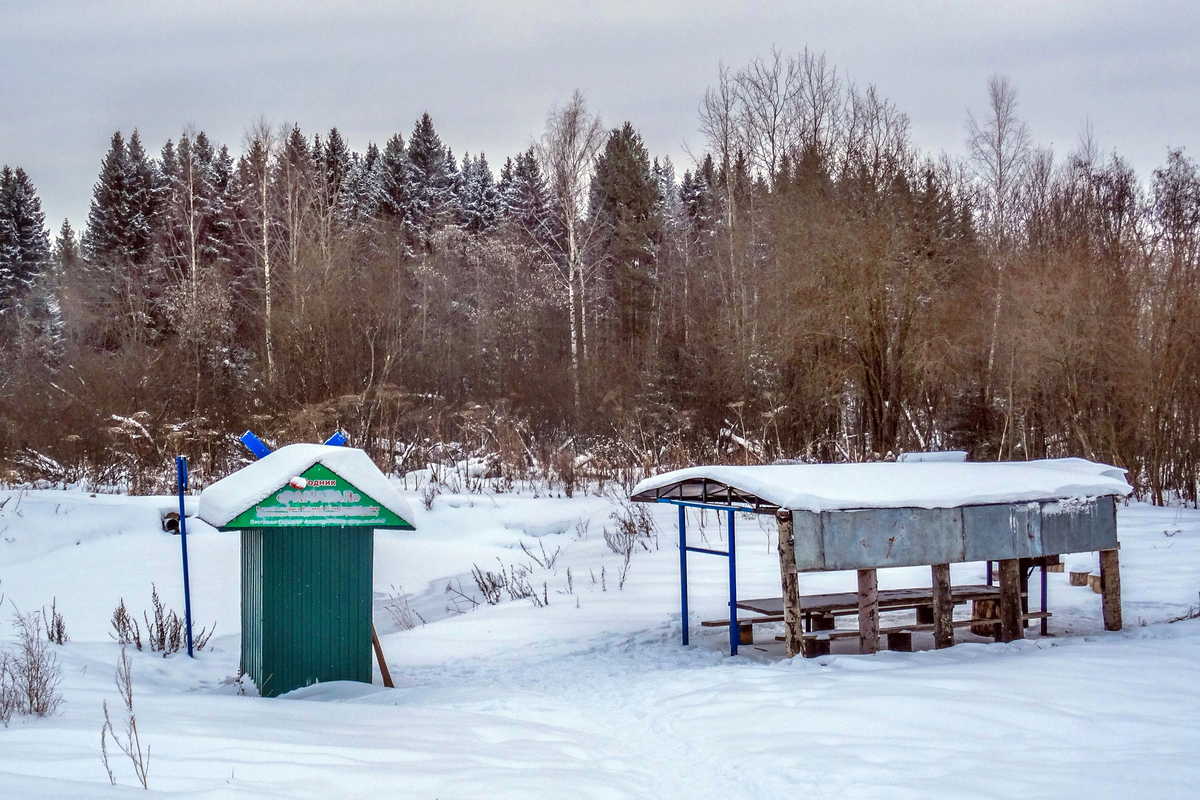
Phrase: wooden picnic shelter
(923, 511)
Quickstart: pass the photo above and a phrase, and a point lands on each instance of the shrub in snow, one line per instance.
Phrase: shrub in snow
(30, 674)
(8, 689)
(634, 528)
(56, 629)
(400, 611)
(131, 744)
(126, 627)
(165, 633)
(513, 581)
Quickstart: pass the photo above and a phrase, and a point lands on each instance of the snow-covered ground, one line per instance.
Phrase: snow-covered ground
(592, 696)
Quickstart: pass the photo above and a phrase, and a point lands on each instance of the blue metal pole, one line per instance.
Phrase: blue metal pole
(683, 583)
(989, 573)
(734, 631)
(181, 478)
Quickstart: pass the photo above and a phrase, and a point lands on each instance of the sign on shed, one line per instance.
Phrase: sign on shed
(307, 515)
(318, 497)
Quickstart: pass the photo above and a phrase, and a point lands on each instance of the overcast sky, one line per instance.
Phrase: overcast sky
(72, 73)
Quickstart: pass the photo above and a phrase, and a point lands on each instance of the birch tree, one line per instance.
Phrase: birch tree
(999, 147)
(567, 152)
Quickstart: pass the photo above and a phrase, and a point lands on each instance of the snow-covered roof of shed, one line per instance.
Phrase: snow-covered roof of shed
(227, 498)
(839, 487)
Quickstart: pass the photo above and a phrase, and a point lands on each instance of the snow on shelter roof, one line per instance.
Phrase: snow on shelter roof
(840, 487)
(227, 498)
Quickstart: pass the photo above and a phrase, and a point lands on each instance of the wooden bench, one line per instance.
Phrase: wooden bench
(821, 610)
(897, 640)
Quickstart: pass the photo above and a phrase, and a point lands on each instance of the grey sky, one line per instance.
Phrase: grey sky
(72, 73)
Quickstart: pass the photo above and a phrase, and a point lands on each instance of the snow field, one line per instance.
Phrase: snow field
(592, 696)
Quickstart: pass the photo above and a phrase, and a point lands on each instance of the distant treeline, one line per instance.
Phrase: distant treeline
(814, 287)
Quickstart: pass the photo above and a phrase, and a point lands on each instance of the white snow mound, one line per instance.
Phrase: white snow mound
(249, 486)
(921, 484)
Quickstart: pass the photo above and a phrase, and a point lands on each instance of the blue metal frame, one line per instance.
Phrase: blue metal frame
(731, 554)
(181, 478)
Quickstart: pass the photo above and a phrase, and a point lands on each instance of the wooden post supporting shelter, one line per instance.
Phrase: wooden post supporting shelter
(868, 611)
(1110, 589)
(943, 607)
(789, 578)
(1010, 600)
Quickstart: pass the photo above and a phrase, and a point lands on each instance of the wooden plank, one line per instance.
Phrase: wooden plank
(888, 599)
(383, 668)
(1110, 589)
(977, 619)
(847, 633)
(789, 580)
(868, 611)
(943, 607)
(1010, 600)
(889, 632)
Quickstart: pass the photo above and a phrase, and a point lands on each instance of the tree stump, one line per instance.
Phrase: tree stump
(1094, 583)
(820, 647)
(986, 609)
(1078, 578)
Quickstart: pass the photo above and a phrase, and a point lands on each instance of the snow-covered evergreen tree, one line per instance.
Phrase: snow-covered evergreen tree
(624, 209)
(335, 161)
(24, 242)
(478, 197)
(431, 178)
(362, 190)
(524, 198)
(126, 200)
(393, 198)
(197, 223)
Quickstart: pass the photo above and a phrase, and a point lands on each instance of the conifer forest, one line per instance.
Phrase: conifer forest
(812, 285)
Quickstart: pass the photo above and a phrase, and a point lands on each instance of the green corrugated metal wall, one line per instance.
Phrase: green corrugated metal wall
(306, 606)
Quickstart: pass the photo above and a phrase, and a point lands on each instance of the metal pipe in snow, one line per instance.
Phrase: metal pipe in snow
(181, 478)
(734, 632)
(683, 580)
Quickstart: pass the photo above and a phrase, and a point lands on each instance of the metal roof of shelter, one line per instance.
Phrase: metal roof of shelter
(919, 484)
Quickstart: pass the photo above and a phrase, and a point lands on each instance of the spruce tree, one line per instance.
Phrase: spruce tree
(334, 159)
(24, 242)
(126, 201)
(524, 198)
(478, 199)
(146, 189)
(361, 195)
(393, 199)
(431, 178)
(624, 206)
(106, 237)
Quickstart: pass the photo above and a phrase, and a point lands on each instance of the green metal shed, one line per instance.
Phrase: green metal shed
(307, 516)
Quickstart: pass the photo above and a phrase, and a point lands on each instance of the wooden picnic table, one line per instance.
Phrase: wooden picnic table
(840, 603)
(820, 611)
